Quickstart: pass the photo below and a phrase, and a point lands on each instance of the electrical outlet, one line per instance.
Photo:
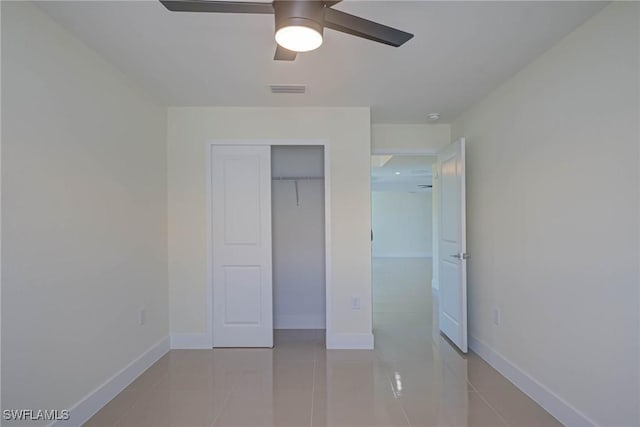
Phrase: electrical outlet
(496, 316)
(142, 316)
(355, 303)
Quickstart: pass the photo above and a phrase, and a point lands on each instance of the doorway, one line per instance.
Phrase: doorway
(268, 240)
(402, 250)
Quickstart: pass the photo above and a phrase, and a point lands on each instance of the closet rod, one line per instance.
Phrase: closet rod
(295, 178)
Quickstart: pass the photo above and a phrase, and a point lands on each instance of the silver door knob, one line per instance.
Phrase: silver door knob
(460, 256)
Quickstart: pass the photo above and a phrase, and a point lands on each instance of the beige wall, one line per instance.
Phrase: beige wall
(552, 187)
(409, 138)
(347, 129)
(83, 216)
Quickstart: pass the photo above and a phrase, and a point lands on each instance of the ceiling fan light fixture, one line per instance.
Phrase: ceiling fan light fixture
(298, 38)
(299, 35)
(299, 23)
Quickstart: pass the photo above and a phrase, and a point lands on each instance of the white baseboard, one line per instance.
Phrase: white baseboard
(190, 341)
(403, 255)
(287, 321)
(552, 403)
(349, 341)
(94, 401)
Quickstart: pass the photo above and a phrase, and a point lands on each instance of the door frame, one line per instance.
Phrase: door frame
(327, 217)
(433, 152)
(402, 152)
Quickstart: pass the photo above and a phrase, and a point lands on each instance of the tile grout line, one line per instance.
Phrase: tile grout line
(477, 391)
(136, 399)
(224, 405)
(490, 406)
(472, 386)
(404, 412)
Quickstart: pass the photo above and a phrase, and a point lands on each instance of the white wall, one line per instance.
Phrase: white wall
(298, 238)
(402, 224)
(347, 129)
(553, 218)
(409, 138)
(83, 216)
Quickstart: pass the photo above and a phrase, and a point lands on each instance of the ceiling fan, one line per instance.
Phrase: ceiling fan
(299, 23)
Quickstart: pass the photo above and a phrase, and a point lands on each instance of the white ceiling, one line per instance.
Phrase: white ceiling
(401, 173)
(460, 52)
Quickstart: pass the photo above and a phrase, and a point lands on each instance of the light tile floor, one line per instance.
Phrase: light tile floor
(413, 377)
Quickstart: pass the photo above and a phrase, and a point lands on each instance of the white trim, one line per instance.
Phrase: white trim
(94, 401)
(435, 285)
(403, 255)
(404, 151)
(551, 402)
(269, 142)
(209, 219)
(328, 260)
(327, 218)
(349, 341)
(190, 341)
(299, 321)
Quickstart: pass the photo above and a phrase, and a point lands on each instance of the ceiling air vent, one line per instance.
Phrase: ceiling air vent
(288, 88)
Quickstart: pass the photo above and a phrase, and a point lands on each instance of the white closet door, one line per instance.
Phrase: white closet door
(241, 215)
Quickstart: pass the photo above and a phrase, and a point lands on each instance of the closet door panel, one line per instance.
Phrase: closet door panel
(241, 241)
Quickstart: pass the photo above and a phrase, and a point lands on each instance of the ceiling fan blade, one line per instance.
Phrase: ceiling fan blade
(283, 54)
(217, 6)
(360, 27)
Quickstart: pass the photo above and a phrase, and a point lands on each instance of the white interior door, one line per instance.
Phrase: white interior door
(241, 242)
(452, 251)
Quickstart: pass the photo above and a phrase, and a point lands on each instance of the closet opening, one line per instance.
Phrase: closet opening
(298, 243)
